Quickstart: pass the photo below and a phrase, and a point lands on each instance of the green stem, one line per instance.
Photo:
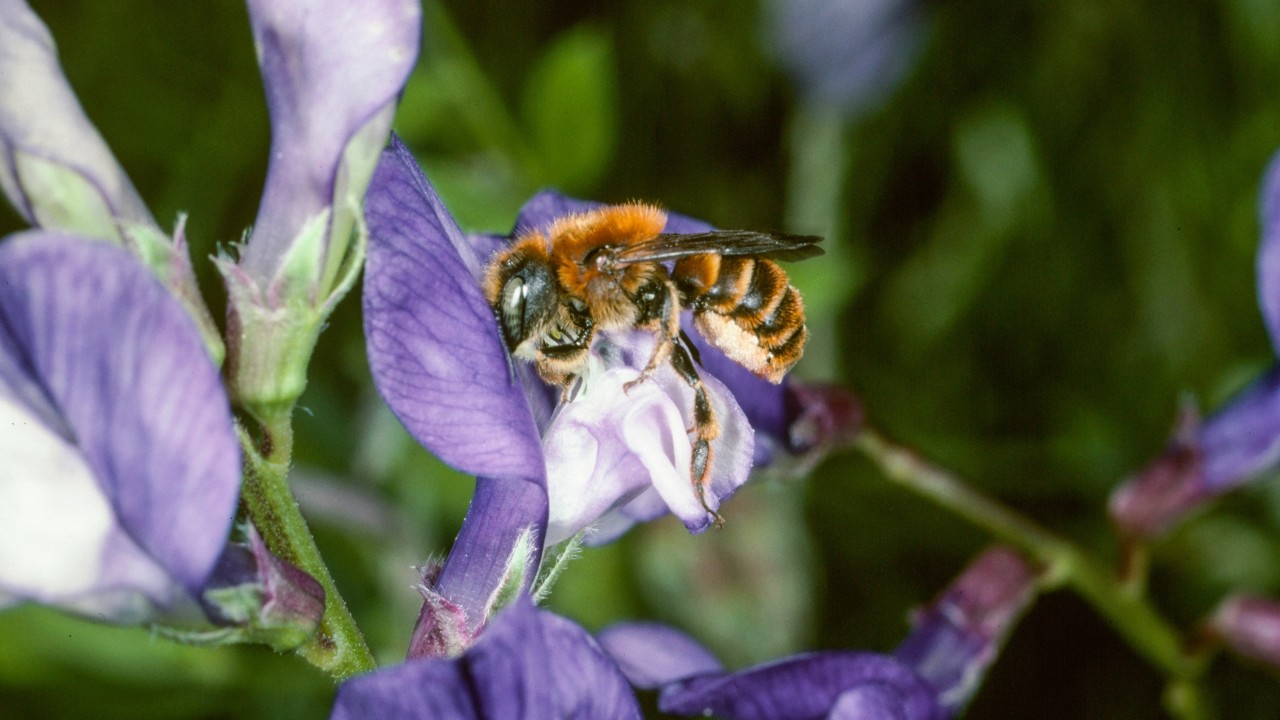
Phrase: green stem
(337, 647)
(1133, 617)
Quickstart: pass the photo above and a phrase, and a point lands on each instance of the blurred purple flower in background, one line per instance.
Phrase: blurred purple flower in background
(528, 664)
(846, 55)
(119, 466)
(1237, 443)
(932, 675)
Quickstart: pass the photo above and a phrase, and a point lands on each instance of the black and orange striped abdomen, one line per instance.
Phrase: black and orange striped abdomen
(747, 307)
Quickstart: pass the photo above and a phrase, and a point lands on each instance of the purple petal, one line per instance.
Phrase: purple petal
(805, 687)
(1242, 439)
(434, 347)
(329, 67)
(1269, 251)
(1237, 444)
(40, 118)
(501, 511)
(652, 655)
(527, 664)
(123, 367)
(416, 690)
(956, 638)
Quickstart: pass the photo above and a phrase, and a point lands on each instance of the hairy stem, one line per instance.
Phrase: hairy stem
(337, 647)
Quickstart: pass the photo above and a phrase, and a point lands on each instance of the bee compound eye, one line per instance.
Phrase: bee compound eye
(512, 315)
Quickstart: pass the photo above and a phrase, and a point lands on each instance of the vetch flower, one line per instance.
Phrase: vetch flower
(931, 676)
(528, 664)
(439, 361)
(1237, 443)
(58, 172)
(119, 465)
(332, 72)
(607, 458)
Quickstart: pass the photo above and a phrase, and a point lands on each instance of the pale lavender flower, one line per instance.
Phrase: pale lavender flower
(119, 466)
(1236, 444)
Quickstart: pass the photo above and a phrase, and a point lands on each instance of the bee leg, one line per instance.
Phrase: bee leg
(705, 428)
(659, 304)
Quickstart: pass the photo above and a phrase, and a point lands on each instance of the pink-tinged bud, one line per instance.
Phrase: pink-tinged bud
(1250, 627)
(261, 598)
(1151, 501)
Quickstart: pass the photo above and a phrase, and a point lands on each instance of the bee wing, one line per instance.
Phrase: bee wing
(672, 246)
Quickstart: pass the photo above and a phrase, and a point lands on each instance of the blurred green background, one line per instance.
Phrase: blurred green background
(1041, 243)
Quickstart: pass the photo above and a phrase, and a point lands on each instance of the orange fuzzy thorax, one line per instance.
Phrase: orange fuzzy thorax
(574, 237)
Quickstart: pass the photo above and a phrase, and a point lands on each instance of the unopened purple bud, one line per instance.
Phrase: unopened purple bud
(1249, 626)
(956, 638)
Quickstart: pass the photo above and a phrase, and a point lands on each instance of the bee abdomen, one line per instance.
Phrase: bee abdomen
(752, 313)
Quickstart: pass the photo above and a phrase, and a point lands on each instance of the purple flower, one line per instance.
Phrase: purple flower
(1237, 443)
(931, 676)
(119, 466)
(333, 71)
(608, 458)
(439, 361)
(59, 173)
(527, 665)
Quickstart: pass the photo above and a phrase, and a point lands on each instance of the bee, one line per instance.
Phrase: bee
(614, 268)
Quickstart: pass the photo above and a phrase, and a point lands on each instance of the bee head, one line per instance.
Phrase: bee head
(526, 301)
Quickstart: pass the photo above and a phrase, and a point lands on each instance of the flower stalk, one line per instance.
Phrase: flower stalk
(338, 647)
(1131, 614)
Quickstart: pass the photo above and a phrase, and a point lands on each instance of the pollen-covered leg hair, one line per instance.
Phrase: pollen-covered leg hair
(705, 428)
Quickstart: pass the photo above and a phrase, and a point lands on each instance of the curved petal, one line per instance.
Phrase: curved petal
(1269, 251)
(124, 368)
(956, 638)
(501, 512)
(434, 347)
(603, 449)
(652, 654)
(54, 165)
(329, 67)
(527, 664)
(610, 444)
(803, 687)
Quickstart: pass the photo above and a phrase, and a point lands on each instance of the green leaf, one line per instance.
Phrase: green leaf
(570, 108)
